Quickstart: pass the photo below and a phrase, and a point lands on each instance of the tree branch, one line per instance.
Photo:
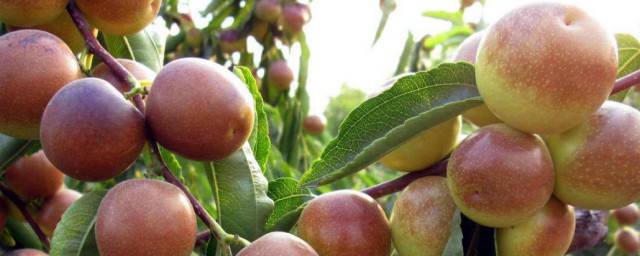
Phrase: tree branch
(398, 184)
(626, 82)
(15, 199)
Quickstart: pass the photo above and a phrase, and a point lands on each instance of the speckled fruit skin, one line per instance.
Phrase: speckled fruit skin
(500, 176)
(314, 124)
(544, 68)
(153, 209)
(627, 215)
(278, 243)
(425, 150)
(52, 209)
(421, 217)
(597, 161)
(280, 75)
(34, 65)
(467, 51)
(119, 17)
(139, 71)
(199, 110)
(627, 240)
(294, 17)
(91, 132)
(345, 223)
(23, 13)
(27, 252)
(268, 10)
(547, 232)
(62, 27)
(34, 177)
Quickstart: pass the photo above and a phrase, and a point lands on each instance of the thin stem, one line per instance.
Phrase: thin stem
(626, 82)
(398, 184)
(15, 199)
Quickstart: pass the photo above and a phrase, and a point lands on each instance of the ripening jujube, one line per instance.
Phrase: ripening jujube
(62, 27)
(139, 71)
(280, 75)
(231, 41)
(627, 240)
(627, 215)
(92, 114)
(51, 211)
(268, 10)
(119, 17)
(314, 124)
(278, 243)
(294, 16)
(33, 63)
(22, 13)
(145, 218)
(34, 177)
(199, 110)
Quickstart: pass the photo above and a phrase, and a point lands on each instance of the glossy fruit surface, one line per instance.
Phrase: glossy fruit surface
(527, 70)
(500, 176)
(34, 177)
(153, 209)
(345, 223)
(200, 110)
(425, 150)
(421, 217)
(21, 13)
(278, 243)
(51, 211)
(119, 17)
(546, 232)
(139, 71)
(92, 114)
(596, 161)
(34, 63)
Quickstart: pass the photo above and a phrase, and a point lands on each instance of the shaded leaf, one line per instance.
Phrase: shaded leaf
(75, 234)
(11, 149)
(628, 60)
(171, 162)
(289, 201)
(414, 104)
(146, 46)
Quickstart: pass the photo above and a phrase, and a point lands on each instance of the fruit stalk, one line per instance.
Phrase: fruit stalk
(395, 185)
(626, 82)
(13, 197)
(94, 46)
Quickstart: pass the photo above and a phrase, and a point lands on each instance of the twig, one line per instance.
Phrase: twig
(15, 199)
(626, 82)
(398, 184)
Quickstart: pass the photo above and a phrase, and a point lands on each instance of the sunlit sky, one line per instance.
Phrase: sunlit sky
(341, 33)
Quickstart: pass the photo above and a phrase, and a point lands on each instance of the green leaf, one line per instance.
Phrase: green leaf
(259, 138)
(406, 53)
(241, 193)
(289, 201)
(23, 234)
(454, 245)
(146, 46)
(75, 235)
(628, 60)
(172, 162)
(432, 41)
(414, 104)
(11, 149)
(454, 17)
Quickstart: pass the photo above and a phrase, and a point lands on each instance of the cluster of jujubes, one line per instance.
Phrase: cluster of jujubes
(627, 238)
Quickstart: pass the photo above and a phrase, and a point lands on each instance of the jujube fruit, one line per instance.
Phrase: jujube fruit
(51, 211)
(278, 243)
(596, 162)
(119, 17)
(34, 177)
(92, 114)
(139, 71)
(500, 176)
(545, 67)
(421, 217)
(23, 13)
(280, 75)
(64, 28)
(230, 41)
(294, 17)
(627, 240)
(200, 110)
(34, 66)
(151, 209)
(268, 10)
(314, 124)
(27, 252)
(345, 223)
(627, 215)
(547, 232)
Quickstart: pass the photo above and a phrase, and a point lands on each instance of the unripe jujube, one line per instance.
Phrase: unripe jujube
(34, 65)
(499, 176)
(34, 177)
(280, 75)
(151, 209)
(345, 223)
(200, 110)
(627, 215)
(51, 211)
(119, 17)
(139, 71)
(278, 243)
(21, 13)
(92, 114)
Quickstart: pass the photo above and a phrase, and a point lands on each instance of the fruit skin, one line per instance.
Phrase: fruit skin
(92, 114)
(627, 215)
(280, 75)
(596, 161)
(51, 211)
(294, 17)
(268, 10)
(500, 176)
(421, 217)
(34, 177)
(119, 17)
(627, 240)
(199, 110)
(467, 51)
(139, 71)
(527, 70)
(278, 243)
(64, 28)
(153, 209)
(314, 124)
(345, 223)
(546, 232)
(22, 13)
(425, 150)
(37, 64)
(27, 252)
